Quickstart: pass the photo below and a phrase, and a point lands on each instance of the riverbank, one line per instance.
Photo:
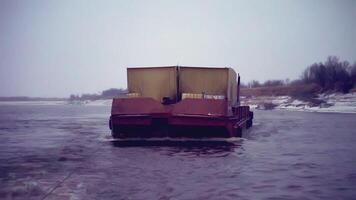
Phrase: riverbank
(335, 102)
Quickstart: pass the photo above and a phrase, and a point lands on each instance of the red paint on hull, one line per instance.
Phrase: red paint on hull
(196, 118)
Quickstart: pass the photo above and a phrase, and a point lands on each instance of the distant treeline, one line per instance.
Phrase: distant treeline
(106, 94)
(332, 75)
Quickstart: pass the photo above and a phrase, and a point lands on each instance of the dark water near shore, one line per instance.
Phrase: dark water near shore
(66, 152)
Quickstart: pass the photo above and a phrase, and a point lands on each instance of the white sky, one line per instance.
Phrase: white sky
(57, 48)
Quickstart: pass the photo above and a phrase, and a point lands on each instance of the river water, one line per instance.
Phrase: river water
(66, 152)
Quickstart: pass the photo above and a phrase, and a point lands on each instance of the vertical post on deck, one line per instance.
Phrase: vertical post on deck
(238, 90)
(178, 95)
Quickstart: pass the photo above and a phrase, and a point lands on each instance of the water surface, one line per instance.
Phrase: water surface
(66, 152)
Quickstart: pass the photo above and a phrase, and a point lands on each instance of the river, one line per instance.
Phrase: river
(66, 152)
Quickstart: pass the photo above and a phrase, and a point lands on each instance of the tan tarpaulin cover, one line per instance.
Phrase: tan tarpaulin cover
(212, 81)
(159, 82)
(155, 82)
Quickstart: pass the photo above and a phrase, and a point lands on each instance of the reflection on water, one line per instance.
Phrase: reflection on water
(66, 152)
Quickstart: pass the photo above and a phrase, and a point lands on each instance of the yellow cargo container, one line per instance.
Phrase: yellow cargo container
(178, 83)
(209, 82)
(154, 82)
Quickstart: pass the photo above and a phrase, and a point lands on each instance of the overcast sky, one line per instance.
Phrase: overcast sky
(57, 48)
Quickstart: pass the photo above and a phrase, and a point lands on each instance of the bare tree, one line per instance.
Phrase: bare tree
(333, 74)
(254, 84)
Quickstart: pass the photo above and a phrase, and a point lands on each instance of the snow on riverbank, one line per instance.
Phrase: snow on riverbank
(339, 103)
(102, 102)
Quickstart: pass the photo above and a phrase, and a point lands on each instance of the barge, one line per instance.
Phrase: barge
(183, 102)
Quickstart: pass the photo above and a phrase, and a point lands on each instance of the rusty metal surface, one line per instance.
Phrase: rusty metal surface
(142, 106)
(146, 117)
(190, 107)
(207, 107)
(197, 121)
(131, 120)
(136, 106)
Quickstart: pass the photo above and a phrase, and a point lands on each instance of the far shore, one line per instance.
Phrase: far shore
(25, 98)
(256, 98)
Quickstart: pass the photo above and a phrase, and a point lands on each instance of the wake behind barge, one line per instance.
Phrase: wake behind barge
(175, 101)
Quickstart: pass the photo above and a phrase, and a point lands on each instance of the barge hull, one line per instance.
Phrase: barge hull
(203, 121)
